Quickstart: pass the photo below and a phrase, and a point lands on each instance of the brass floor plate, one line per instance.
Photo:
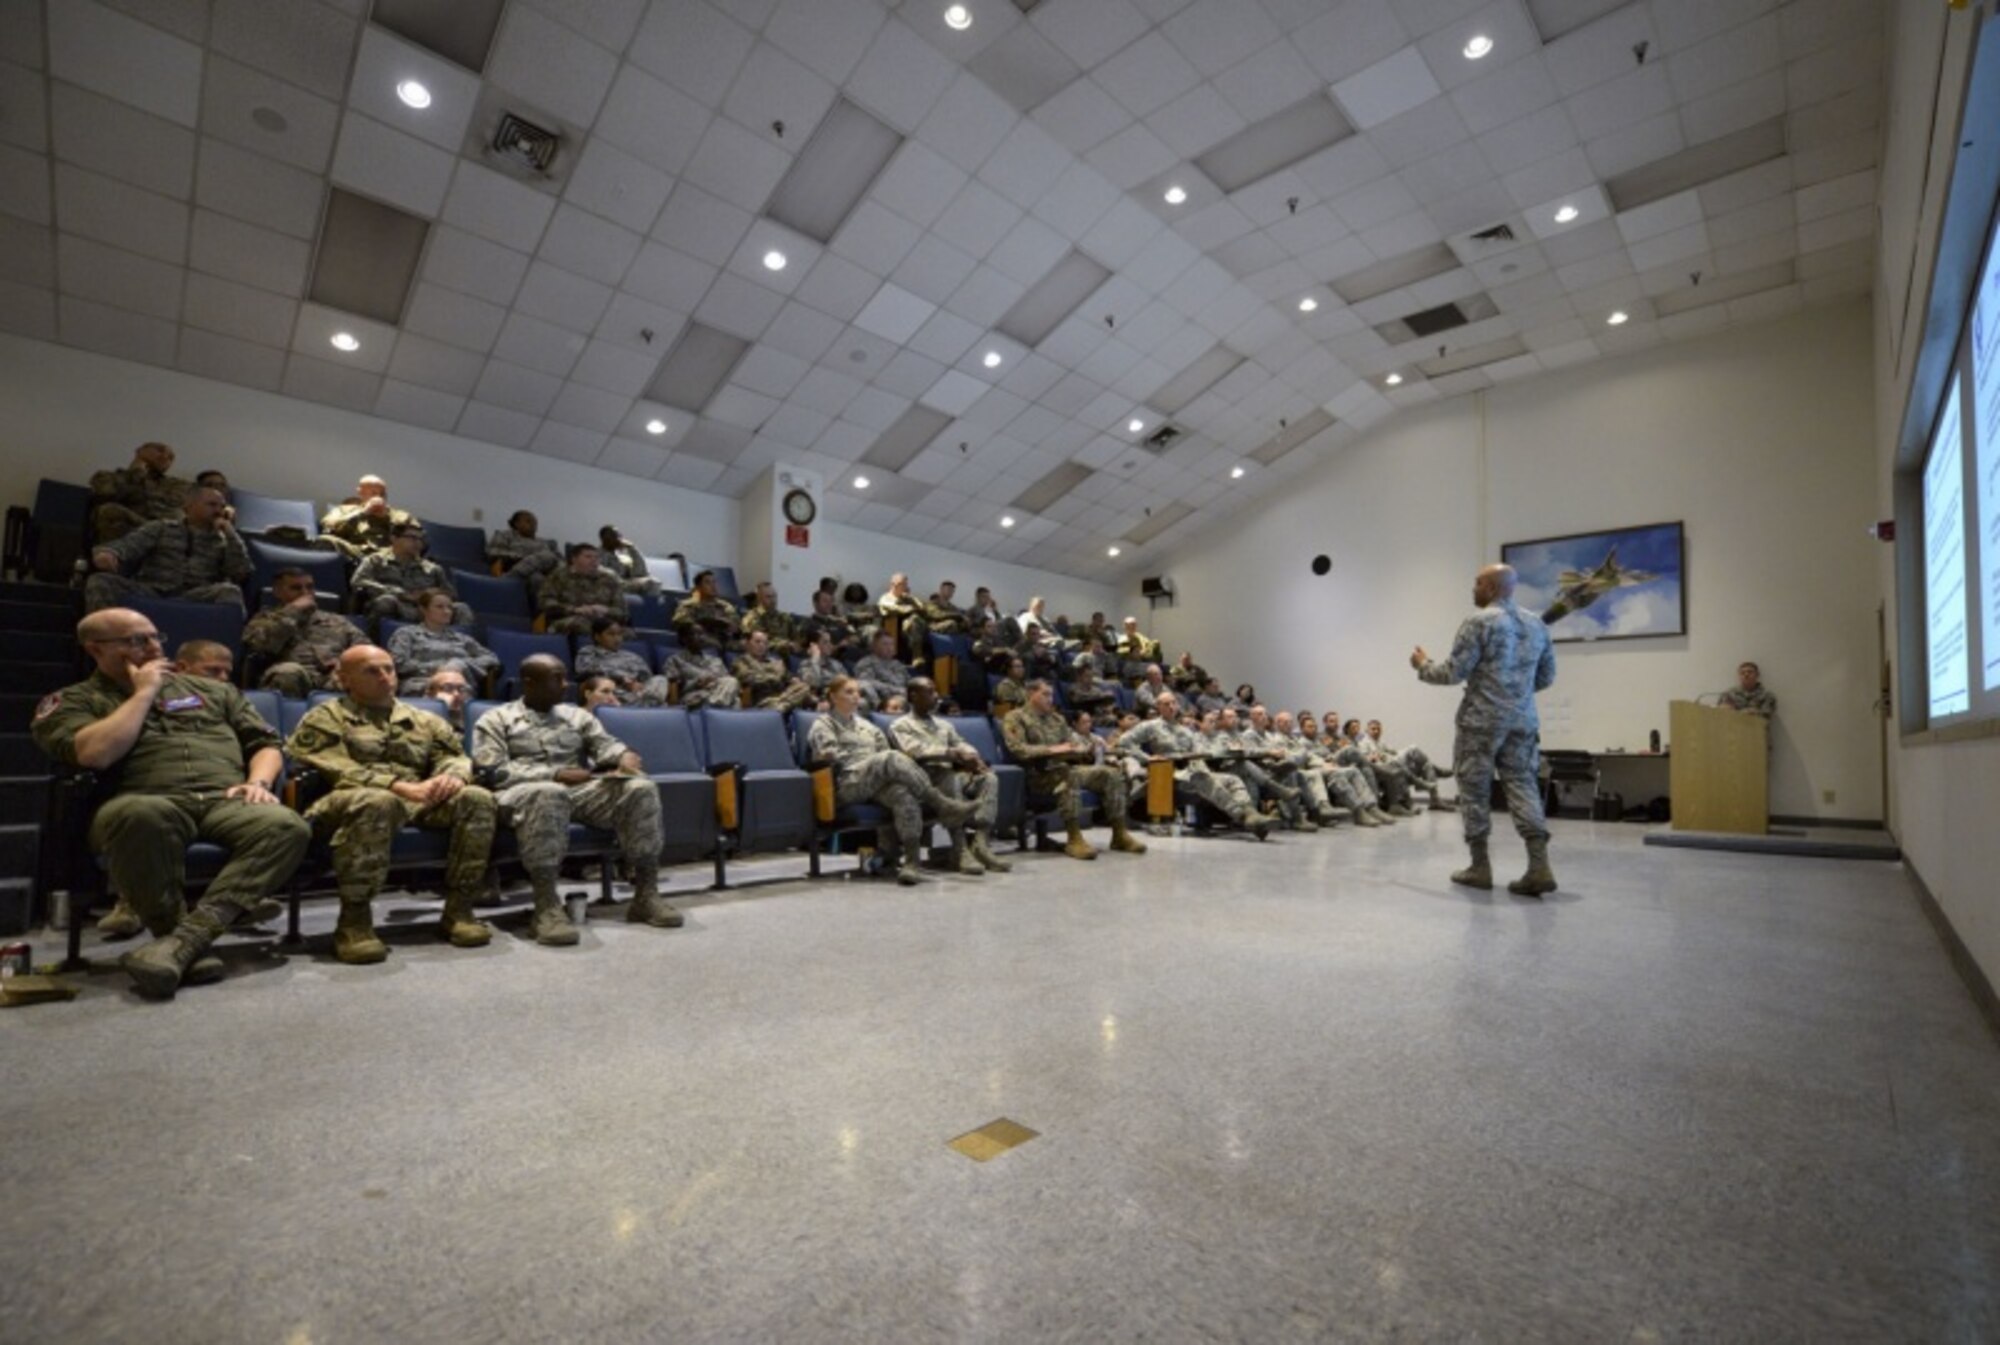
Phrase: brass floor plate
(992, 1140)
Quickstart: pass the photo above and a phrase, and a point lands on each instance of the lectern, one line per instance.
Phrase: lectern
(1720, 774)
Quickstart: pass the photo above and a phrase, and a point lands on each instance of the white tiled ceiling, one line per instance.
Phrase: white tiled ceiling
(164, 168)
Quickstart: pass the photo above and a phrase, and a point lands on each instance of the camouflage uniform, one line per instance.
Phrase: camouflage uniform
(1289, 768)
(169, 559)
(819, 673)
(780, 628)
(909, 614)
(1260, 783)
(866, 769)
(1188, 680)
(625, 562)
(880, 679)
(386, 586)
(623, 667)
(1756, 701)
(1135, 654)
(126, 499)
(714, 615)
(1008, 696)
(839, 632)
(1093, 697)
(566, 590)
(420, 651)
(704, 680)
(769, 685)
(932, 736)
(1158, 738)
(530, 558)
(943, 618)
(302, 646)
(354, 532)
(1503, 658)
(520, 750)
(1030, 735)
(1386, 776)
(167, 792)
(362, 752)
(1346, 785)
(1147, 700)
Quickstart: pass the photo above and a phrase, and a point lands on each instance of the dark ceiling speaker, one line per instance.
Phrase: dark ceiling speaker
(1156, 586)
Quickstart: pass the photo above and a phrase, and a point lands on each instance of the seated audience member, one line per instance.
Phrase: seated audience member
(1011, 693)
(941, 615)
(882, 674)
(1347, 785)
(990, 646)
(1388, 776)
(1259, 768)
(984, 606)
(1244, 697)
(781, 631)
(386, 583)
(1286, 757)
(205, 658)
(1091, 654)
(606, 656)
(195, 558)
(1147, 696)
(861, 614)
(300, 644)
(701, 674)
(1749, 694)
(1210, 700)
(619, 557)
(1167, 739)
(762, 674)
(866, 769)
(707, 608)
(364, 524)
(430, 643)
(449, 685)
(1060, 763)
(1031, 617)
(580, 592)
(596, 691)
(550, 762)
(1416, 763)
(1187, 677)
(828, 619)
(899, 603)
(219, 483)
(125, 499)
(183, 759)
(1086, 692)
(520, 553)
(818, 667)
(956, 770)
(389, 765)
(1135, 651)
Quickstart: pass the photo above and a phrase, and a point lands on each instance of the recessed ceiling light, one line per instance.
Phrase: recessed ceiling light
(861, 483)
(774, 260)
(1006, 520)
(1479, 46)
(1111, 551)
(1176, 194)
(345, 341)
(1619, 319)
(414, 93)
(959, 17)
(1308, 304)
(1235, 473)
(1393, 379)
(1566, 213)
(992, 360)
(1135, 425)
(656, 426)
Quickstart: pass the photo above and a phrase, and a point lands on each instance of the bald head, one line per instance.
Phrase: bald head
(368, 675)
(1492, 584)
(118, 639)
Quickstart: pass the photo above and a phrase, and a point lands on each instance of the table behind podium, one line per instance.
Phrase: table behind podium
(1721, 769)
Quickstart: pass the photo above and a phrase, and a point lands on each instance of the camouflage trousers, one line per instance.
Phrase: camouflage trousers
(396, 607)
(1389, 781)
(1348, 787)
(1416, 764)
(1107, 782)
(109, 522)
(1313, 787)
(1515, 756)
(360, 825)
(1225, 793)
(793, 695)
(103, 590)
(144, 839)
(983, 789)
(534, 569)
(540, 812)
(723, 693)
(654, 691)
(896, 783)
(298, 681)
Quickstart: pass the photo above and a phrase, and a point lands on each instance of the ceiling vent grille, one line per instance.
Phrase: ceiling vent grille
(521, 144)
(1162, 439)
(1475, 307)
(1434, 320)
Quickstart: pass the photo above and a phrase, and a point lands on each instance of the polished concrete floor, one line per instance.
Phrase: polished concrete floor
(1300, 1090)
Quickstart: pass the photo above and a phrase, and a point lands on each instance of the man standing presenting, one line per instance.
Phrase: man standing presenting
(552, 762)
(1503, 658)
(391, 765)
(183, 759)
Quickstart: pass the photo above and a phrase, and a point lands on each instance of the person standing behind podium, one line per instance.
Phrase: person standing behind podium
(1748, 694)
(1503, 658)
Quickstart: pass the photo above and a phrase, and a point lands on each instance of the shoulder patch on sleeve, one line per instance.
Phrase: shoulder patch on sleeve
(48, 705)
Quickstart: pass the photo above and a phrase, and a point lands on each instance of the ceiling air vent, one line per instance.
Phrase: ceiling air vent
(522, 144)
(1499, 233)
(1434, 320)
(1164, 438)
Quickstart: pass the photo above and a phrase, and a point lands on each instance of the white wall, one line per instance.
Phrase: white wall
(1943, 797)
(1759, 440)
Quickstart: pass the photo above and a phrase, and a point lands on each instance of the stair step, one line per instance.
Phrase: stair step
(19, 755)
(20, 851)
(45, 646)
(54, 595)
(18, 707)
(37, 616)
(17, 904)
(33, 679)
(23, 796)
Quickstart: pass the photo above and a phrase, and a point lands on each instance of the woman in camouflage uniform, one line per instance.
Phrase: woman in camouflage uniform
(431, 644)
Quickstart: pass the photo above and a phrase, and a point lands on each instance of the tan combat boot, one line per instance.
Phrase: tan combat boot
(983, 852)
(1540, 878)
(552, 927)
(1480, 872)
(1122, 839)
(967, 863)
(1078, 847)
(164, 965)
(458, 924)
(354, 938)
(120, 922)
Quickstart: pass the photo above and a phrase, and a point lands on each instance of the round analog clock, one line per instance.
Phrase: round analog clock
(799, 507)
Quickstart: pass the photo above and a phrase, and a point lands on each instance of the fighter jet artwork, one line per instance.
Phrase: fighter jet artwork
(1578, 589)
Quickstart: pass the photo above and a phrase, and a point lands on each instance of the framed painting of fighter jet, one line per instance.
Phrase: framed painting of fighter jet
(1623, 584)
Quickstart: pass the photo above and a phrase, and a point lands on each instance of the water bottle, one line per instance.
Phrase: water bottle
(1656, 740)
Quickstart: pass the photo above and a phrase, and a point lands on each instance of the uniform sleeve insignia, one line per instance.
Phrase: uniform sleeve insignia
(48, 705)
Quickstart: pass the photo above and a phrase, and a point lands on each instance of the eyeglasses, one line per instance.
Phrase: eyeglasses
(134, 643)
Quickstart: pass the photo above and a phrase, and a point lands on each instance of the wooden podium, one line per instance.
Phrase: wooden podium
(1720, 772)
